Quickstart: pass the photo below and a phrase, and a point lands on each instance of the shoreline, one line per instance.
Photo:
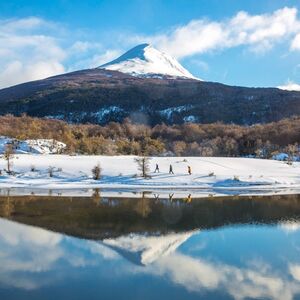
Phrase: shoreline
(210, 175)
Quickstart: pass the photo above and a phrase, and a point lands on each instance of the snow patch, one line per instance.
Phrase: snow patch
(168, 112)
(38, 146)
(104, 112)
(190, 119)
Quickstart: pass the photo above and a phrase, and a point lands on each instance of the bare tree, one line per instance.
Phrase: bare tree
(97, 172)
(292, 150)
(143, 165)
(9, 154)
(51, 171)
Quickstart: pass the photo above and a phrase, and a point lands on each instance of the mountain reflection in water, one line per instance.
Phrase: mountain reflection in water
(131, 248)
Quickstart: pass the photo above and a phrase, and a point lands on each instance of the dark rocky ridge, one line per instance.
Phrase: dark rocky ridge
(101, 96)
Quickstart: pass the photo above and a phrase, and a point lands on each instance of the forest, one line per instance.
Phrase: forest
(189, 139)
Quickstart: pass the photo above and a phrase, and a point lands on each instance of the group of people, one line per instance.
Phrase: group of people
(189, 169)
(188, 199)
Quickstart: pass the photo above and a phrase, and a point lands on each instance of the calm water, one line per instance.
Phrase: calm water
(147, 247)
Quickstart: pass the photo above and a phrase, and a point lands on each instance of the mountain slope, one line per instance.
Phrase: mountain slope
(101, 96)
(146, 61)
(149, 87)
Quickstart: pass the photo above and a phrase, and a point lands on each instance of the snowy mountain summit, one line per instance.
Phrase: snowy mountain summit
(144, 249)
(148, 62)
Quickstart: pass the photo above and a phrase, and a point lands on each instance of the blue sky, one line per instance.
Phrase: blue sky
(237, 42)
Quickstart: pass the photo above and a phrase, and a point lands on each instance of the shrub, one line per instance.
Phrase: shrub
(96, 171)
(236, 178)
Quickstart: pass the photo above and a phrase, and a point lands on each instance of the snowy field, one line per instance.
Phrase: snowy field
(210, 175)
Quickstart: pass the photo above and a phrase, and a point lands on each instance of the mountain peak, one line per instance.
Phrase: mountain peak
(146, 61)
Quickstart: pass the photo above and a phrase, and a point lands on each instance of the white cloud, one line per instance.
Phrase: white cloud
(107, 56)
(26, 53)
(83, 46)
(32, 48)
(12, 25)
(28, 253)
(290, 86)
(295, 271)
(92, 59)
(259, 32)
(17, 72)
(295, 45)
(198, 275)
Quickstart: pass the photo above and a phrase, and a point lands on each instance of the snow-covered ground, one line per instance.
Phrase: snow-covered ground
(214, 175)
(38, 146)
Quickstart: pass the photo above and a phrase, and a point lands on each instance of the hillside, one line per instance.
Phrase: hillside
(100, 96)
(261, 140)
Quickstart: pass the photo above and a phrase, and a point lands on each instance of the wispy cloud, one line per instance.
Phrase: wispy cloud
(259, 32)
(26, 53)
(33, 48)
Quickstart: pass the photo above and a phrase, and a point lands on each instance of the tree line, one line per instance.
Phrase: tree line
(189, 139)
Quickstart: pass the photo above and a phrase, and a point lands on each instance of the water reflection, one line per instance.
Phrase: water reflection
(124, 248)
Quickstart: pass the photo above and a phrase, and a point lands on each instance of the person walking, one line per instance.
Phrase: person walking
(171, 170)
(156, 169)
(189, 170)
(171, 196)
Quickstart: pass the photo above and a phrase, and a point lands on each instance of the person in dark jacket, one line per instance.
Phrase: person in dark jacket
(156, 169)
(171, 170)
(189, 170)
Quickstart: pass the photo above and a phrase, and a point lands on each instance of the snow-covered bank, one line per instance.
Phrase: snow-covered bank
(37, 146)
(215, 174)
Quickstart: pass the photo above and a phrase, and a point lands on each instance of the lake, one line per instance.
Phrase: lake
(102, 245)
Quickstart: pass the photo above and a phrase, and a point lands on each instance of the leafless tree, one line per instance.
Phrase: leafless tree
(51, 171)
(9, 154)
(143, 165)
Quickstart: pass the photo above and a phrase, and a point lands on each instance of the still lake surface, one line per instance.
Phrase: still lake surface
(149, 247)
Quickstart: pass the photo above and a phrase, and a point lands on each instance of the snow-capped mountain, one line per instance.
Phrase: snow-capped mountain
(146, 61)
(145, 249)
(175, 98)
